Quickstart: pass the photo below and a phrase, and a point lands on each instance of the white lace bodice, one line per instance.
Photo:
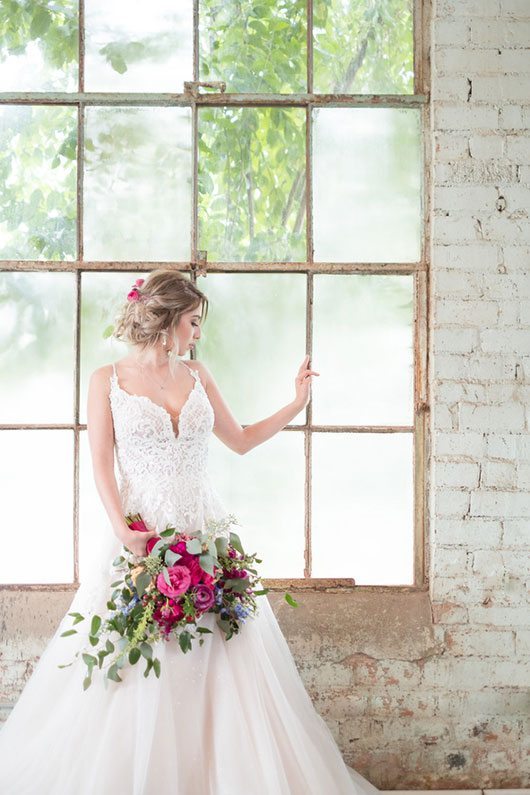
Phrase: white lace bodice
(163, 476)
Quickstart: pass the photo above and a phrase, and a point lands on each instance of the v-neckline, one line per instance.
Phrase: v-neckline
(165, 412)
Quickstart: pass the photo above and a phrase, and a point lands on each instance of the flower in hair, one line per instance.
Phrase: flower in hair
(134, 295)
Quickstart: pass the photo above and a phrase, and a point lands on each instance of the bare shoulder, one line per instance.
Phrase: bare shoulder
(100, 377)
(201, 369)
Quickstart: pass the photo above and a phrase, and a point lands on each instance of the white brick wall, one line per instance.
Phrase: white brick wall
(480, 384)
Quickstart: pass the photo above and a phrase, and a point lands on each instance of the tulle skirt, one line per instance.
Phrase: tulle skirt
(226, 718)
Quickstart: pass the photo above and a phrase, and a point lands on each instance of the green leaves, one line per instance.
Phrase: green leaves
(290, 601)
(193, 546)
(77, 617)
(185, 641)
(142, 581)
(40, 23)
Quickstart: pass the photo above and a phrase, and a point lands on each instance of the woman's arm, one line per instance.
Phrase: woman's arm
(101, 439)
(240, 439)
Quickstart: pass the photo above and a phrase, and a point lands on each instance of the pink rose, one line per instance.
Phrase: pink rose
(151, 542)
(180, 581)
(204, 597)
(180, 547)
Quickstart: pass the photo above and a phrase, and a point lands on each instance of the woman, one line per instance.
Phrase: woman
(226, 718)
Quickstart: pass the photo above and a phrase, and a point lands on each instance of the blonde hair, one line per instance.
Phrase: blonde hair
(164, 297)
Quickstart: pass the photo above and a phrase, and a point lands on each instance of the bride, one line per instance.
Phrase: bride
(226, 718)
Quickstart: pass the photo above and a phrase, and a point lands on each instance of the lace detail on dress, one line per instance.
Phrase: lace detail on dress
(164, 476)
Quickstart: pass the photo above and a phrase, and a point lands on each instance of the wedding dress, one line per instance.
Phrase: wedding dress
(226, 718)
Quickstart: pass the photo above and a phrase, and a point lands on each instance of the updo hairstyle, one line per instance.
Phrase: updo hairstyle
(162, 299)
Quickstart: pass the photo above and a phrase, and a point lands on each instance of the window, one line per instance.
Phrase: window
(275, 151)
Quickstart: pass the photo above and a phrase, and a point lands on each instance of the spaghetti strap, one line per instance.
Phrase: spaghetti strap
(194, 372)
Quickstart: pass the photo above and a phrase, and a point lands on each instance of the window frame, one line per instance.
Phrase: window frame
(199, 266)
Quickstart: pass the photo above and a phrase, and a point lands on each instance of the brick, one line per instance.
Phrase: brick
(522, 641)
(483, 256)
(509, 416)
(518, 146)
(479, 172)
(462, 444)
(459, 117)
(469, 533)
(450, 502)
(470, 641)
(499, 616)
(500, 87)
(449, 146)
(452, 340)
(503, 504)
(470, 313)
(485, 147)
(511, 116)
(498, 475)
(450, 87)
(507, 341)
(508, 446)
(499, 33)
(469, 198)
(517, 8)
(456, 475)
(451, 31)
(468, 8)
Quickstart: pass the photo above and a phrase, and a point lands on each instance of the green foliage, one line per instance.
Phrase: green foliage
(53, 27)
(38, 182)
(363, 47)
(254, 47)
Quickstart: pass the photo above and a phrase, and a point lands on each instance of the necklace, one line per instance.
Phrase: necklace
(161, 386)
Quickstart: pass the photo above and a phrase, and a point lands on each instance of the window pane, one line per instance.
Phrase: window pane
(363, 507)
(367, 184)
(138, 46)
(37, 467)
(138, 184)
(39, 46)
(36, 333)
(363, 47)
(363, 349)
(261, 48)
(254, 339)
(252, 184)
(38, 182)
(102, 295)
(265, 490)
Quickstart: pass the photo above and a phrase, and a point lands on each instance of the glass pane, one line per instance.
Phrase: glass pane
(37, 321)
(36, 467)
(253, 339)
(363, 350)
(138, 184)
(363, 47)
(94, 524)
(38, 46)
(265, 490)
(260, 48)
(362, 519)
(252, 184)
(138, 46)
(102, 294)
(367, 178)
(38, 182)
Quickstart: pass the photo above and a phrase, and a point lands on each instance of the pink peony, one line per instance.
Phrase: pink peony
(180, 581)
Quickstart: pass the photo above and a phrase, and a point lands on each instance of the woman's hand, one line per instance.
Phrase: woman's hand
(136, 540)
(303, 383)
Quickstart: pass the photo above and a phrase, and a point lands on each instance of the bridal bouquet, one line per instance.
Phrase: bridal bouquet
(166, 593)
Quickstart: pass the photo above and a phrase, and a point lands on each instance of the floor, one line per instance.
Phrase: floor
(457, 791)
